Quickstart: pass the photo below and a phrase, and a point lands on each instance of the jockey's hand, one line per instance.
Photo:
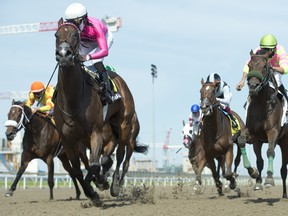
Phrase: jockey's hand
(82, 58)
(34, 110)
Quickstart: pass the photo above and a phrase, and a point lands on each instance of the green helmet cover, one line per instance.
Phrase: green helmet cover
(268, 41)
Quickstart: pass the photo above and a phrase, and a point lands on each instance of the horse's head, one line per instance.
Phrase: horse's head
(67, 43)
(17, 118)
(259, 71)
(208, 97)
(188, 136)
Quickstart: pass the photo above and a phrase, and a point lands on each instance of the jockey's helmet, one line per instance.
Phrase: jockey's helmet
(37, 87)
(75, 12)
(268, 41)
(214, 77)
(195, 108)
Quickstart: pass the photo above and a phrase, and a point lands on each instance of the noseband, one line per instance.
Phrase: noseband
(20, 124)
(264, 79)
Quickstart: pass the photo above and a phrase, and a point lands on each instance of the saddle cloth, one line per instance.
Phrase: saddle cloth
(91, 70)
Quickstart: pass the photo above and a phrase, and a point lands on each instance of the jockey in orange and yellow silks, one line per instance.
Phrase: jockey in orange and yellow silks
(38, 92)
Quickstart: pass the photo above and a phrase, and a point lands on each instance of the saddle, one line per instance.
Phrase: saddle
(233, 130)
(91, 70)
(47, 117)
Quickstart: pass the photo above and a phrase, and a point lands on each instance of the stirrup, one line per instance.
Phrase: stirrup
(234, 124)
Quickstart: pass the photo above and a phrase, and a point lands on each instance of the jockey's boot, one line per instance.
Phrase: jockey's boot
(103, 75)
(234, 122)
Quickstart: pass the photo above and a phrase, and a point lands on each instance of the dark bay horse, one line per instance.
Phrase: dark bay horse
(41, 140)
(216, 136)
(79, 112)
(263, 121)
(196, 154)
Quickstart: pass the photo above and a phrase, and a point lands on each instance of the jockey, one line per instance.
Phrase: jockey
(96, 39)
(195, 119)
(37, 93)
(223, 95)
(278, 61)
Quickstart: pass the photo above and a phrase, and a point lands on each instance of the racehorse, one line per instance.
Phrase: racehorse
(79, 111)
(216, 135)
(264, 119)
(41, 140)
(196, 153)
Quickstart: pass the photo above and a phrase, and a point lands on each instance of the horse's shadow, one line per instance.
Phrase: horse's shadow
(268, 201)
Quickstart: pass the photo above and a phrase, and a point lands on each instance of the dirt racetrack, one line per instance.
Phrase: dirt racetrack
(156, 201)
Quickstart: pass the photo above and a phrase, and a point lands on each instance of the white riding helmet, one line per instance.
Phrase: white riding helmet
(74, 11)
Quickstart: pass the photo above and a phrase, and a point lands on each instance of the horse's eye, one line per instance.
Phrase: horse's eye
(190, 131)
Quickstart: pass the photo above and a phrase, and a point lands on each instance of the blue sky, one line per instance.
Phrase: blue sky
(186, 40)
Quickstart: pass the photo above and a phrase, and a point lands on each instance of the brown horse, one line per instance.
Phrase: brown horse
(79, 112)
(196, 152)
(216, 136)
(263, 119)
(41, 140)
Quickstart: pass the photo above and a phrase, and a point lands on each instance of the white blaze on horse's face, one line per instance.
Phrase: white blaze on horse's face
(187, 135)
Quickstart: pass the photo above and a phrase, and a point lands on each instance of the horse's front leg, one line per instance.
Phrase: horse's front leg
(96, 144)
(242, 139)
(257, 147)
(50, 164)
(272, 138)
(215, 174)
(25, 159)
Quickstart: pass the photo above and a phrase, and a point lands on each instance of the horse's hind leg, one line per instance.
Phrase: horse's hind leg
(25, 159)
(50, 165)
(115, 187)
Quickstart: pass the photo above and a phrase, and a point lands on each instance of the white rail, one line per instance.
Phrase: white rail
(34, 181)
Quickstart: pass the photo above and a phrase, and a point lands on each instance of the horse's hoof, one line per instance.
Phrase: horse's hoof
(97, 202)
(269, 182)
(253, 172)
(104, 186)
(9, 194)
(233, 185)
(114, 190)
(258, 186)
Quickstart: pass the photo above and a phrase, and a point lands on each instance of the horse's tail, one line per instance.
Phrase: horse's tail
(141, 148)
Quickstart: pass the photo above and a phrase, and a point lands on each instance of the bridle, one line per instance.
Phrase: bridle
(208, 100)
(264, 79)
(18, 125)
(65, 43)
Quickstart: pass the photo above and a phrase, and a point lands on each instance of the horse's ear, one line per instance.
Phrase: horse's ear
(183, 123)
(13, 101)
(60, 22)
(202, 81)
(251, 52)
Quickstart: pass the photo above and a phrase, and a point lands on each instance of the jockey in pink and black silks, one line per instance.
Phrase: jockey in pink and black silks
(278, 61)
(96, 39)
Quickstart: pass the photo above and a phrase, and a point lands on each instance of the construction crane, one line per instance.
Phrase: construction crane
(166, 149)
(113, 23)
